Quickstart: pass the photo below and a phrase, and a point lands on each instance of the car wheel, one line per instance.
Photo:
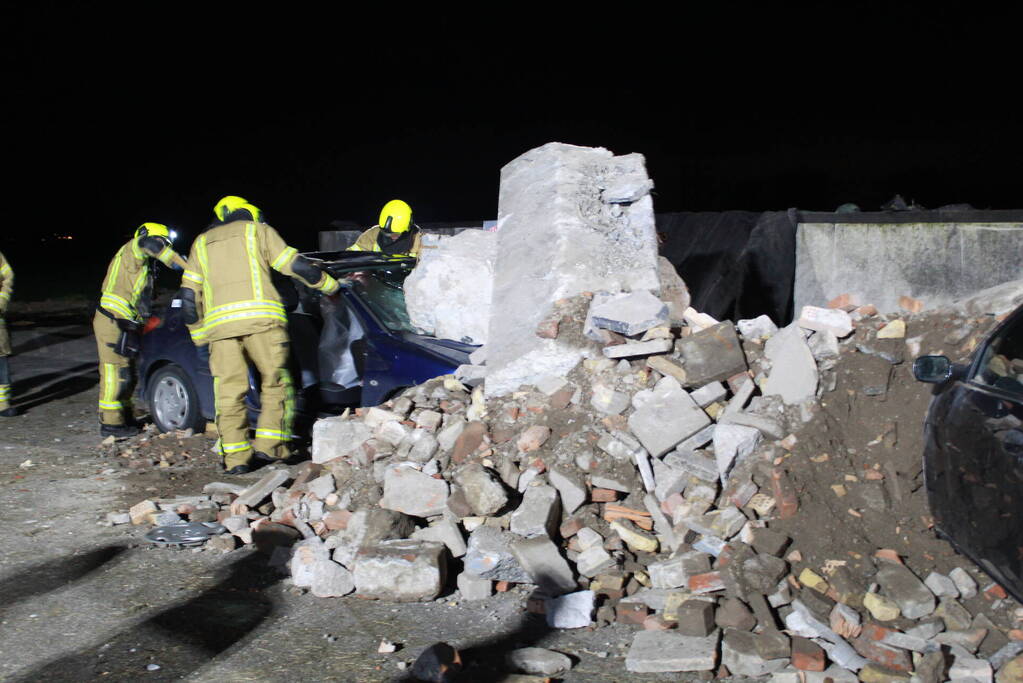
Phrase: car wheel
(173, 401)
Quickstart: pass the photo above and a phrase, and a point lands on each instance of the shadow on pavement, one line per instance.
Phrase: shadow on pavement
(51, 575)
(35, 391)
(179, 639)
(51, 338)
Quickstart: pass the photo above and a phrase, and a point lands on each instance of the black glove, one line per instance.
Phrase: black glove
(126, 325)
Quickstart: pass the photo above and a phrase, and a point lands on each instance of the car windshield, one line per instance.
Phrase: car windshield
(382, 291)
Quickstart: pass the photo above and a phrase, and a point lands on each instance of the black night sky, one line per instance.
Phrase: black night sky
(115, 115)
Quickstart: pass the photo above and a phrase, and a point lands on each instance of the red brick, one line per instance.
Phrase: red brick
(603, 495)
(875, 632)
(786, 501)
(910, 304)
(807, 655)
(631, 613)
(656, 622)
(468, 441)
(847, 302)
(995, 592)
(548, 329)
(502, 586)
(867, 310)
(337, 519)
(570, 527)
(706, 583)
(887, 656)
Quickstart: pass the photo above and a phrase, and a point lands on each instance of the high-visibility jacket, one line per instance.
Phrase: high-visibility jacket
(128, 275)
(406, 245)
(6, 283)
(229, 273)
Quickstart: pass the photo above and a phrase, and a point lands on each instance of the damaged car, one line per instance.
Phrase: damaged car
(973, 453)
(359, 351)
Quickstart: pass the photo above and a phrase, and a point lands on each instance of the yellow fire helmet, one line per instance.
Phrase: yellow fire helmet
(153, 230)
(229, 204)
(396, 216)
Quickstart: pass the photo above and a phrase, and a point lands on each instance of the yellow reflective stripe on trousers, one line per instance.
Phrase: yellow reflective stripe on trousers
(235, 447)
(254, 271)
(111, 386)
(283, 258)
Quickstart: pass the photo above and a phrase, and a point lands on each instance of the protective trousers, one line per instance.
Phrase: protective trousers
(5, 373)
(116, 379)
(229, 363)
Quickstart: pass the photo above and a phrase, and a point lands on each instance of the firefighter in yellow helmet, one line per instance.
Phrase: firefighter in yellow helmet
(123, 309)
(6, 289)
(229, 302)
(394, 235)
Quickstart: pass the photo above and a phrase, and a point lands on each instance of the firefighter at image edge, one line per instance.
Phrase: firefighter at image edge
(124, 305)
(6, 289)
(229, 302)
(394, 235)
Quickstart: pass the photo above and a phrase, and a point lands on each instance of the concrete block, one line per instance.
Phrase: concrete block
(605, 246)
(474, 587)
(711, 355)
(676, 571)
(793, 373)
(667, 651)
(424, 446)
(489, 556)
(667, 418)
(573, 610)
(695, 618)
(634, 349)
(571, 486)
(760, 327)
(592, 561)
(709, 393)
(443, 531)
(914, 599)
(400, 570)
(261, 490)
(335, 437)
(941, 585)
(414, 493)
(696, 464)
(483, 491)
(608, 401)
(330, 580)
(448, 293)
(970, 670)
(964, 583)
(629, 314)
(832, 320)
(540, 558)
(539, 513)
(538, 661)
(448, 436)
(733, 443)
(881, 262)
(733, 613)
(739, 653)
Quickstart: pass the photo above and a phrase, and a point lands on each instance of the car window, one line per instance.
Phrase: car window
(1001, 365)
(382, 291)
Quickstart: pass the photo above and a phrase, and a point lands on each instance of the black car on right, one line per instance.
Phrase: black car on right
(973, 452)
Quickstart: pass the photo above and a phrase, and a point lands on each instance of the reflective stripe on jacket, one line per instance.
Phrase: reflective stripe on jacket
(6, 283)
(369, 241)
(229, 272)
(127, 275)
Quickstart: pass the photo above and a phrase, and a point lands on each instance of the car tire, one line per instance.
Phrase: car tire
(173, 400)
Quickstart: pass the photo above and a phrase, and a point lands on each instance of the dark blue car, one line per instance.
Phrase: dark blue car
(360, 352)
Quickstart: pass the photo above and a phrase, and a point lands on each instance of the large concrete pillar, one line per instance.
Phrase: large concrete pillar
(571, 220)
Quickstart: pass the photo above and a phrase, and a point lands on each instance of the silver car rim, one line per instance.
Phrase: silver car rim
(170, 403)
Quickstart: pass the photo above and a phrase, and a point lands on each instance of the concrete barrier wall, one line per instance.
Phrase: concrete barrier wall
(934, 262)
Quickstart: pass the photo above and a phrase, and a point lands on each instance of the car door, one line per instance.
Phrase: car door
(974, 462)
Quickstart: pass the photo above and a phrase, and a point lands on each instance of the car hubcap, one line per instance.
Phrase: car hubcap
(170, 402)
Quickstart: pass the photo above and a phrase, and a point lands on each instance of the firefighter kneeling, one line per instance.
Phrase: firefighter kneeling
(230, 303)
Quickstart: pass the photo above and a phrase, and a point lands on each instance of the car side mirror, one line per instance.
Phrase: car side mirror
(932, 369)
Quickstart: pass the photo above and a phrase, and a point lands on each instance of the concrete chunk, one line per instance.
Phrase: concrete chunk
(410, 491)
(914, 599)
(664, 651)
(631, 350)
(483, 491)
(733, 443)
(261, 490)
(335, 437)
(474, 587)
(793, 369)
(833, 320)
(629, 314)
(538, 514)
(571, 486)
(538, 661)
(489, 556)
(573, 610)
(711, 355)
(667, 418)
(544, 564)
(400, 570)
(609, 247)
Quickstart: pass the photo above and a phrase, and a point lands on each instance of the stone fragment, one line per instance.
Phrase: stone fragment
(489, 556)
(629, 314)
(448, 436)
(833, 320)
(143, 512)
(538, 661)
(634, 538)
(881, 607)
(941, 585)
(573, 610)
(533, 438)
(875, 673)
(733, 443)
(474, 587)
(896, 329)
(739, 654)
(429, 420)
(410, 491)
(970, 670)
(483, 492)
(571, 486)
(807, 655)
(667, 367)
(756, 328)
(709, 393)
(538, 513)
(889, 657)
(793, 374)
(331, 580)
(634, 349)
(695, 618)
(608, 401)
(540, 558)
(675, 571)
(400, 570)
(444, 531)
(668, 651)
(467, 442)
(261, 490)
(336, 437)
(733, 613)
(767, 542)
(711, 355)
(592, 561)
(914, 599)
(667, 418)
(964, 582)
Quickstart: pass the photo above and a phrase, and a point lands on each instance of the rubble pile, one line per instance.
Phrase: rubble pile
(651, 486)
